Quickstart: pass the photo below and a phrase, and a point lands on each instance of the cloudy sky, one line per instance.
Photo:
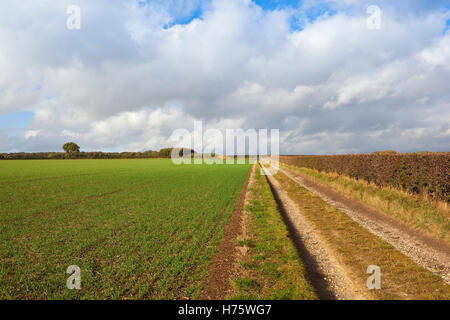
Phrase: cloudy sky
(137, 70)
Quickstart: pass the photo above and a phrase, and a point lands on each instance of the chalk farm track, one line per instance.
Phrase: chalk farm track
(329, 278)
(427, 252)
(343, 237)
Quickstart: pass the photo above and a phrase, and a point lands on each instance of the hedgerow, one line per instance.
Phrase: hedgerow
(419, 173)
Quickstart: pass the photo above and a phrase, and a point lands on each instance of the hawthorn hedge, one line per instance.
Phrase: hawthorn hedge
(427, 173)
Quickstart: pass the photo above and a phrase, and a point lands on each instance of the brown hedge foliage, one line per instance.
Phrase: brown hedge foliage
(420, 173)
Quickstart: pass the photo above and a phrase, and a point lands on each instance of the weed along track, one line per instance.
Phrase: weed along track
(339, 252)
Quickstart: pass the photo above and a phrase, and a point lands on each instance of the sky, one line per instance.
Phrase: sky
(136, 71)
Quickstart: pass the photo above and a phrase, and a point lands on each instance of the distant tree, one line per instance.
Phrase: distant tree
(385, 152)
(71, 147)
(167, 152)
(150, 154)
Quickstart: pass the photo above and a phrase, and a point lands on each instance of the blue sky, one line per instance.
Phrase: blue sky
(311, 13)
(15, 120)
(20, 120)
(137, 70)
(277, 4)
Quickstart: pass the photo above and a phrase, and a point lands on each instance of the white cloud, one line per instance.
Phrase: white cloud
(31, 133)
(128, 78)
(438, 55)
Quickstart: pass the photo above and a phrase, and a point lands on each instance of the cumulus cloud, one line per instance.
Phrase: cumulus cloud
(138, 70)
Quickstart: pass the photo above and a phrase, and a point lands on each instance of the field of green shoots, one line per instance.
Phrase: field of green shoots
(137, 228)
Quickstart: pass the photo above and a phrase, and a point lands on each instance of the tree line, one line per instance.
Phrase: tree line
(72, 151)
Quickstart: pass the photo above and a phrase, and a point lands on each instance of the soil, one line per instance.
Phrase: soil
(223, 267)
(245, 233)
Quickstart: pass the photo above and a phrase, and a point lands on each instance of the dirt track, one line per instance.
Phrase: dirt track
(330, 279)
(425, 251)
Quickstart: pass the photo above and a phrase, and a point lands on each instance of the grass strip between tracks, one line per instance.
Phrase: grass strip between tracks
(269, 265)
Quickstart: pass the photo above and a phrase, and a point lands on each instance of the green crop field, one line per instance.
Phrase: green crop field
(136, 228)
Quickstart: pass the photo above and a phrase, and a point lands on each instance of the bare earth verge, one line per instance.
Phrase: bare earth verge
(428, 252)
(242, 251)
(329, 278)
(218, 284)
